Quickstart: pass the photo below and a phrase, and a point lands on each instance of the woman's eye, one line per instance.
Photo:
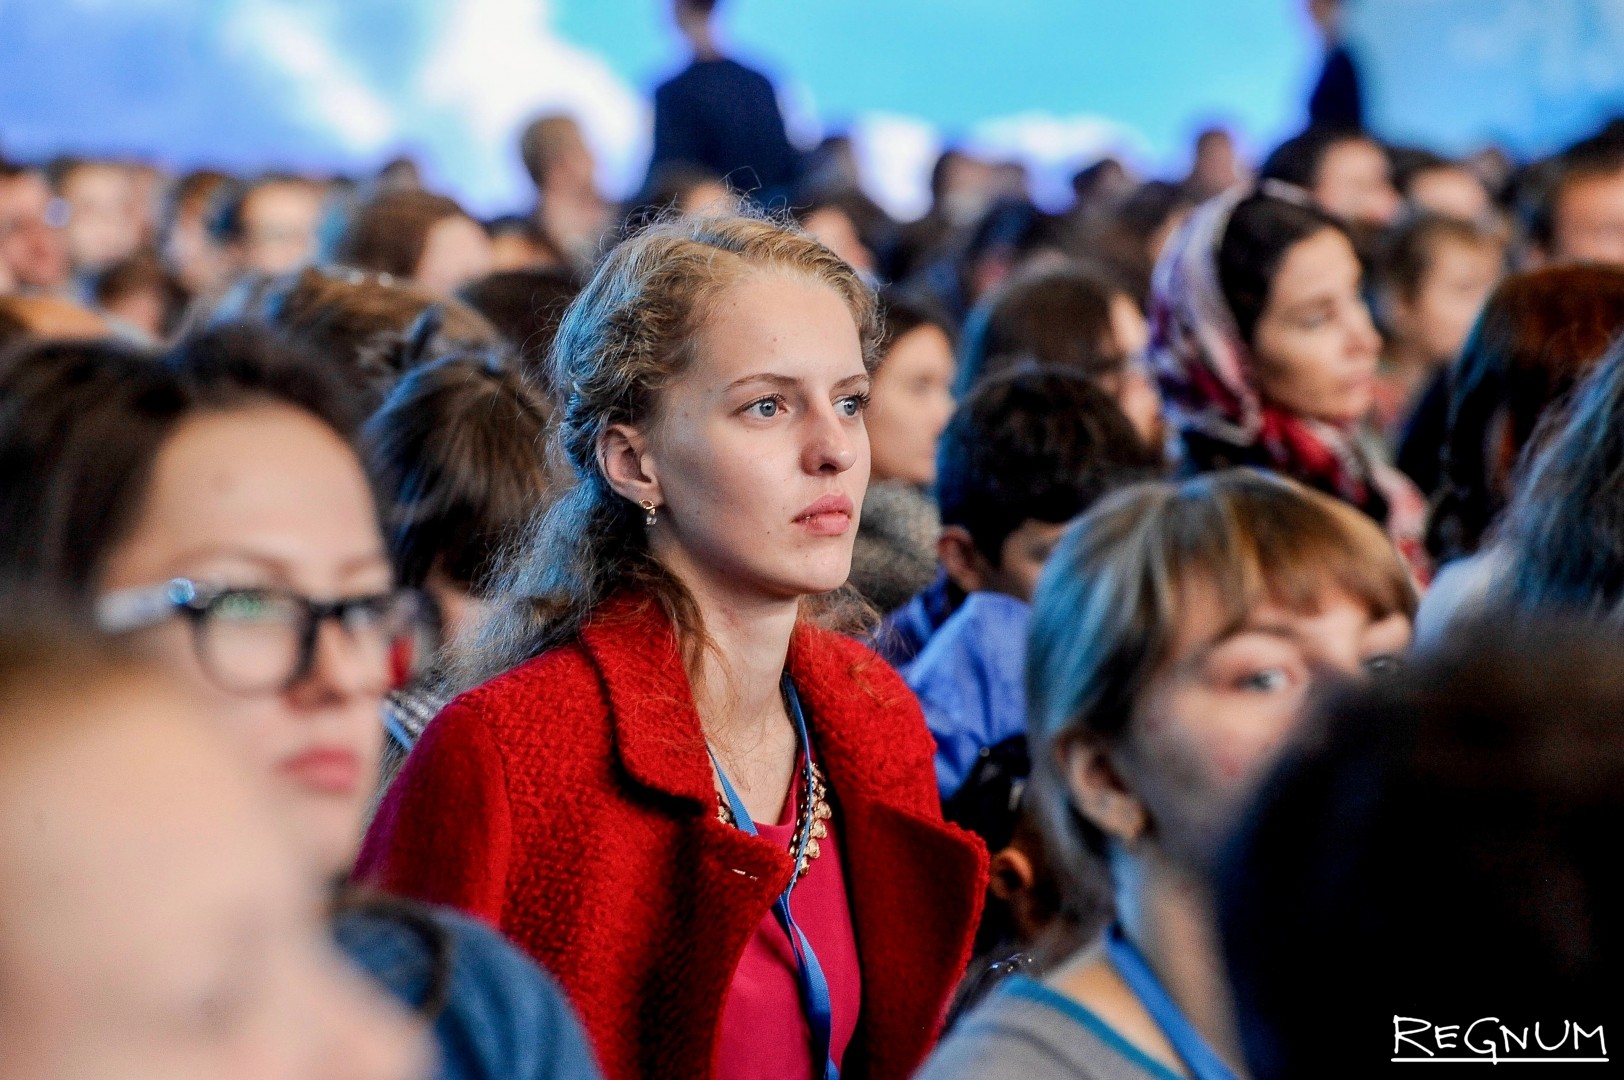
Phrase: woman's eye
(1267, 681)
(1385, 664)
(766, 408)
(852, 406)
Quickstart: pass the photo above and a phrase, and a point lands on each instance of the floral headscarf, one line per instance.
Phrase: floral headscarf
(1207, 380)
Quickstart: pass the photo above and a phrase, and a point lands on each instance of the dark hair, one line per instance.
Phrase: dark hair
(1051, 315)
(1261, 230)
(388, 234)
(81, 424)
(1408, 254)
(1298, 160)
(144, 270)
(1596, 157)
(1564, 528)
(526, 306)
(1035, 442)
(1445, 841)
(1122, 239)
(902, 311)
(1538, 334)
(457, 453)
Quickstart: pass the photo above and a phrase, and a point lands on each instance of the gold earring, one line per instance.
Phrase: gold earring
(649, 512)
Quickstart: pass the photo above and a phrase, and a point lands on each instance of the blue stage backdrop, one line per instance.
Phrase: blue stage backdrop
(342, 85)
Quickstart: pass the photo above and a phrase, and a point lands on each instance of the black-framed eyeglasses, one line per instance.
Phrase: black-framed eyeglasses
(262, 640)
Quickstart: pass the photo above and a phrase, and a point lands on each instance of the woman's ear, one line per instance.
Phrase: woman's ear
(1098, 791)
(624, 459)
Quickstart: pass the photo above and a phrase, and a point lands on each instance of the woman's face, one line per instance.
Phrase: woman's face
(757, 456)
(1355, 183)
(456, 251)
(1217, 710)
(157, 922)
(1452, 294)
(268, 497)
(912, 403)
(1314, 349)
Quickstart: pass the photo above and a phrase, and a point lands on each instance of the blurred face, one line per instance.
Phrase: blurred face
(157, 922)
(1451, 191)
(279, 228)
(758, 456)
(457, 251)
(267, 497)
(196, 258)
(1355, 184)
(1022, 557)
(1133, 387)
(1451, 295)
(32, 247)
(1589, 221)
(912, 403)
(833, 229)
(1314, 349)
(103, 223)
(1217, 710)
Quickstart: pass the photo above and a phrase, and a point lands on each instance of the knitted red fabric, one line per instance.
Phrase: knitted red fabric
(569, 802)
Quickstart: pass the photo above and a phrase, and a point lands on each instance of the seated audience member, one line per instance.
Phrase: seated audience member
(1539, 333)
(1012, 235)
(418, 239)
(678, 189)
(1131, 239)
(1175, 635)
(150, 935)
(669, 703)
(910, 401)
(47, 318)
(569, 212)
(140, 292)
(1345, 172)
(1028, 451)
(517, 243)
(1267, 355)
(960, 191)
(1066, 317)
(457, 452)
(525, 306)
(1577, 213)
(268, 226)
(103, 226)
(1432, 279)
(1216, 165)
(33, 250)
(1434, 185)
(211, 512)
(1446, 844)
(191, 250)
(369, 330)
(828, 220)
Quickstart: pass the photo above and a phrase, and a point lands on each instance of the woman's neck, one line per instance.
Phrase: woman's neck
(737, 689)
(1171, 917)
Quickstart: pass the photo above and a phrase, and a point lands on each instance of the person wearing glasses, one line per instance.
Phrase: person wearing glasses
(713, 817)
(208, 508)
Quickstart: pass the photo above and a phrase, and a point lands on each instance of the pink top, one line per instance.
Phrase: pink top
(765, 1034)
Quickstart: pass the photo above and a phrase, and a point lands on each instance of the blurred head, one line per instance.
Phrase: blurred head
(717, 371)
(1217, 167)
(1435, 274)
(679, 188)
(140, 292)
(104, 222)
(206, 510)
(190, 248)
(525, 306)
(420, 238)
(1445, 844)
(1175, 635)
(556, 155)
(1539, 333)
(33, 250)
(270, 226)
(457, 453)
(1067, 317)
(158, 922)
(1436, 185)
(830, 224)
(1293, 283)
(912, 393)
(1579, 214)
(1346, 173)
(1027, 451)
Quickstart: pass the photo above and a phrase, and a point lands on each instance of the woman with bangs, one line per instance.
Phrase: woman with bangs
(1176, 634)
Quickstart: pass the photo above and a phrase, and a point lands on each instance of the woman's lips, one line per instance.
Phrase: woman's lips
(829, 516)
(325, 770)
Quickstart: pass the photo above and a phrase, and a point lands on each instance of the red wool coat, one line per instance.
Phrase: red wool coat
(570, 803)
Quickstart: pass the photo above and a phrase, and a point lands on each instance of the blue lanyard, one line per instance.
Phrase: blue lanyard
(1198, 1057)
(809, 973)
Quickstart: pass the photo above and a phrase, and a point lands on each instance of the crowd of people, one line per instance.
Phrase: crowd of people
(736, 634)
